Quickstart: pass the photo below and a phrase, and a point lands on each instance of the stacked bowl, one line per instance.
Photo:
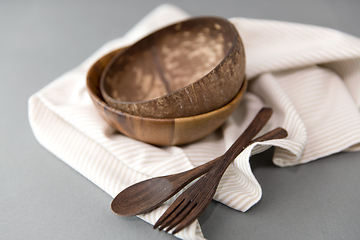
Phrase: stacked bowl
(174, 86)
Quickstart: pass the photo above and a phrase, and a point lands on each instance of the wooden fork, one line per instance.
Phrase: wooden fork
(193, 201)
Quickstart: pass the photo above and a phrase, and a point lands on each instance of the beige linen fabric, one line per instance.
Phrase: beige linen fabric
(309, 75)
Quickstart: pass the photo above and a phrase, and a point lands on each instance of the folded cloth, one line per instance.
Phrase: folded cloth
(309, 75)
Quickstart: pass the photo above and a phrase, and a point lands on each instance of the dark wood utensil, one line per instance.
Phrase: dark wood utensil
(194, 200)
(147, 195)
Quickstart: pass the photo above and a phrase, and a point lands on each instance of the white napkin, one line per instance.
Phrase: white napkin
(309, 75)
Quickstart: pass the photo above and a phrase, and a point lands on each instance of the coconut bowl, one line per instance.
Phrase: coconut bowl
(185, 69)
(162, 132)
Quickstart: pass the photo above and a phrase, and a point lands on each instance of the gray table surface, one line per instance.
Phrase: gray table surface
(43, 198)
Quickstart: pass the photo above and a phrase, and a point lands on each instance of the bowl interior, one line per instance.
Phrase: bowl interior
(163, 132)
(168, 60)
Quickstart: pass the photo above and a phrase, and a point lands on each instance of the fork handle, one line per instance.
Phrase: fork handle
(276, 133)
(239, 145)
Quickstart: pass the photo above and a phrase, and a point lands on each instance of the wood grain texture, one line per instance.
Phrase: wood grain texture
(194, 200)
(185, 69)
(147, 195)
(163, 132)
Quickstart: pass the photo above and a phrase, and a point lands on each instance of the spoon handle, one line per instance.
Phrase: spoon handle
(148, 195)
(277, 133)
(194, 200)
(254, 128)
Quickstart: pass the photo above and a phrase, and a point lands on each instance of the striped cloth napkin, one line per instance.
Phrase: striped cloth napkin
(309, 75)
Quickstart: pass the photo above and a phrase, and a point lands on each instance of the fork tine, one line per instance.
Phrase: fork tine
(195, 213)
(181, 212)
(189, 219)
(176, 207)
(180, 207)
(195, 203)
(187, 210)
(170, 211)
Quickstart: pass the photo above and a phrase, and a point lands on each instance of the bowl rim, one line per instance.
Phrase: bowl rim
(124, 50)
(94, 96)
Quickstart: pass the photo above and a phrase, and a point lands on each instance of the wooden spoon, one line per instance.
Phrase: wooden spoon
(147, 195)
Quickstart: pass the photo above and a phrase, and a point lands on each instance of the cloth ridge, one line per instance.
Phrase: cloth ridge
(309, 75)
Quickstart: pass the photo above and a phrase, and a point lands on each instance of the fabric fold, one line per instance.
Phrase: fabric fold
(309, 75)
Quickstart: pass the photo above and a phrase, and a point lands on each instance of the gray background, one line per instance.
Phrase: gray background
(43, 198)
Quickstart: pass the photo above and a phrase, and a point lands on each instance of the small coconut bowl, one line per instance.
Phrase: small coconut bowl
(186, 69)
(163, 132)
